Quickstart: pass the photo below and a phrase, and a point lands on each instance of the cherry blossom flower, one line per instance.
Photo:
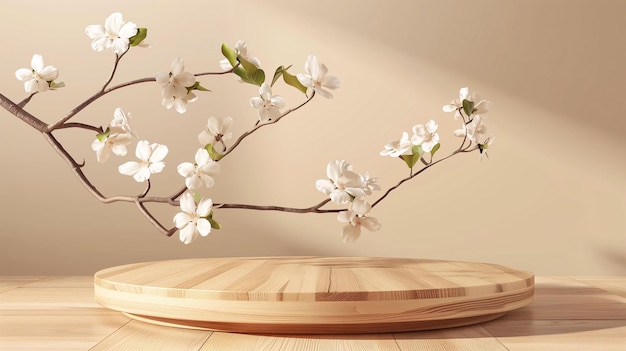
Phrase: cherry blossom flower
(241, 50)
(200, 173)
(317, 79)
(192, 220)
(38, 78)
(398, 147)
(475, 130)
(356, 217)
(370, 184)
(343, 184)
(117, 135)
(114, 141)
(425, 135)
(267, 105)
(120, 119)
(175, 86)
(114, 35)
(151, 157)
(216, 130)
(481, 106)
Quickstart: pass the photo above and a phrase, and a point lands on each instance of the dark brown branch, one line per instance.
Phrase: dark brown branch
(22, 114)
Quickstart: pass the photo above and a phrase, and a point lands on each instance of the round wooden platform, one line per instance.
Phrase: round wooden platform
(313, 295)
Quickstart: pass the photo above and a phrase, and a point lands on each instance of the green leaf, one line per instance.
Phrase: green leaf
(249, 73)
(247, 65)
(468, 107)
(292, 80)
(197, 197)
(230, 55)
(415, 156)
(256, 78)
(196, 86)
(135, 40)
(102, 136)
(54, 85)
(435, 148)
(215, 156)
(214, 223)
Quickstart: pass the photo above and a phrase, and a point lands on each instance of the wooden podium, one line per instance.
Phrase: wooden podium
(313, 295)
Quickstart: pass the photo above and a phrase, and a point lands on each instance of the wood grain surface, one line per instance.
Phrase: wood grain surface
(313, 295)
(569, 313)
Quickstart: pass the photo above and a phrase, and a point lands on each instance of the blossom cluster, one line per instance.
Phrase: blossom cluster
(343, 186)
(346, 187)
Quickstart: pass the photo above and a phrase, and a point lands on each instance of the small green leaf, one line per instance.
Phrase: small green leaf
(249, 73)
(279, 72)
(196, 86)
(415, 156)
(215, 156)
(468, 107)
(135, 40)
(54, 85)
(230, 55)
(435, 148)
(197, 197)
(214, 223)
(292, 80)
(258, 77)
(102, 136)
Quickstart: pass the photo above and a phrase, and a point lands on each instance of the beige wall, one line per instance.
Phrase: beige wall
(552, 198)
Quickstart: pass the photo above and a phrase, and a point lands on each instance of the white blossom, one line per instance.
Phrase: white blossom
(217, 129)
(38, 77)
(356, 217)
(343, 184)
(241, 50)
(475, 130)
(200, 173)
(192, 220)
(481, 106)
(114, 35)
(116, 137)
(370, 183)
(317, 78)
(151, 157)
(425, 135)
(115, 142)
(175, 84)
(398, 147)
(268, 106)
(120, 119)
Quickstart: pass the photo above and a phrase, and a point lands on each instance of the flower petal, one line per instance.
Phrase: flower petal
(129, 168)
(24, 74)
(204, 207)
(350, 233)
(370, 223)
(203, 226)
(159, 152)
(37, 62)
(187, 203)
(188, 233)
(185, 169)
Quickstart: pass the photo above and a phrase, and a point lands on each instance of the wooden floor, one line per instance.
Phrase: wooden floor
(59, 313)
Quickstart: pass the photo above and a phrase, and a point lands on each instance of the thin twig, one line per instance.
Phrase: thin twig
(260, 125)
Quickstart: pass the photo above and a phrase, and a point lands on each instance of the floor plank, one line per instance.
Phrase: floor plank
(250, 342)
(470, 338)
(139, 336)
(10, 283)
(560, 335)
